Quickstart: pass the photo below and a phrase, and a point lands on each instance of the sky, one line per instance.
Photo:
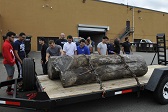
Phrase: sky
(159, 5)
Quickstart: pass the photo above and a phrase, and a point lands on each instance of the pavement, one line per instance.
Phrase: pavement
(120, 103)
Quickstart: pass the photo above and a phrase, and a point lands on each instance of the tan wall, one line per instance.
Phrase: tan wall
(31, 17)
(149, 23)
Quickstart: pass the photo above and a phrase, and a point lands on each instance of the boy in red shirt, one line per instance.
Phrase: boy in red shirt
(9, 59)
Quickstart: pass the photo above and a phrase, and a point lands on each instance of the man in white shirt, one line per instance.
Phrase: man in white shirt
(70, 48)
(102, 46)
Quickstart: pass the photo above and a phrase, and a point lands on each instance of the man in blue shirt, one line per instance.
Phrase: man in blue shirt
(82, 48)
(19, 51)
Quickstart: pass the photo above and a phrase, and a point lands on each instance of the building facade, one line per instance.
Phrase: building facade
(94, 18)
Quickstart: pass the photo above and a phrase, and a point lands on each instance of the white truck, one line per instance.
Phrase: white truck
(146, 42)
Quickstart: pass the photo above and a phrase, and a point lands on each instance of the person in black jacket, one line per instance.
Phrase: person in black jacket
(110, 47)
(61, 41)
(117, 46)
(126, 46)
(43, 55)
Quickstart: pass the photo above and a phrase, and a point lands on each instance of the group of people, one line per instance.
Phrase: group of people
(108, 47)
(64, 46)
(13, 53)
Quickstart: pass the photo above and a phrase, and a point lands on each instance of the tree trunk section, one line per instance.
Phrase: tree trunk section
(75, 70)
(53, 73)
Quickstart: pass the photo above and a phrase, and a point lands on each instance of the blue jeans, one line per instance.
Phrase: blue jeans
(127, 52)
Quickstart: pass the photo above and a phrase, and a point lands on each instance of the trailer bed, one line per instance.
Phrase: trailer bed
(55, 90)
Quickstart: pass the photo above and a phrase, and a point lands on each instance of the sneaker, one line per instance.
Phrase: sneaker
(9, 92)
(19, 86)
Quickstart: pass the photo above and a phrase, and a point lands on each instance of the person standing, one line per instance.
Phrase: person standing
(53, 50)
(43, 55)
(117, 46)
(126, 46)
(89, 45)
(102, 46)
(91, 42)
(82, 48)
(9, 59)
(19, 51)
(70, 48)
(110, 47)
(61, 41)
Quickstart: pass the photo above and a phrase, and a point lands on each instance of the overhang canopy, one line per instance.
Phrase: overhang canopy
(83, 27)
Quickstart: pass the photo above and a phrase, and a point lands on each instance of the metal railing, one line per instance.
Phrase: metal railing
(127, 31)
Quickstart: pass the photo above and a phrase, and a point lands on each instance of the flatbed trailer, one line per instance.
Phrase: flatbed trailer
(47, 94)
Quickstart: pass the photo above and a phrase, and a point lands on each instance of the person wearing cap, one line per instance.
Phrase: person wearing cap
(43, 54)
(82, 48)
(70, 48)
(9, 59)
(19, 51)
(102, 46)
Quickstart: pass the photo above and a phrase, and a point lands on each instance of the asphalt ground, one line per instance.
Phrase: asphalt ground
(120, 103)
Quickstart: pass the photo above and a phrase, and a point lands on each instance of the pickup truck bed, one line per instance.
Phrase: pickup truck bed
(55, 90)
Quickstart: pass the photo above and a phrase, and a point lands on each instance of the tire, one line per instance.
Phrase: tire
(28, 72)
(161, 92)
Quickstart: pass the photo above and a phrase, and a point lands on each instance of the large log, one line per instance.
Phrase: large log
(75, 69)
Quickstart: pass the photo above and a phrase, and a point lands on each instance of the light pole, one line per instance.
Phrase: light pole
(133, 23)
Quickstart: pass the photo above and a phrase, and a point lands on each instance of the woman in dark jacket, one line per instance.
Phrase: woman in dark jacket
(117, 46)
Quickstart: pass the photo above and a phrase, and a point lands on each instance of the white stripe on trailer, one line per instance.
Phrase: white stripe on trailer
(118, 92)
(2, 102)
(123, 91)
(10, 103)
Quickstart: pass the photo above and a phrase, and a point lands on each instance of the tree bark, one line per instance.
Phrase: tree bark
(76, 70)
(53, 73)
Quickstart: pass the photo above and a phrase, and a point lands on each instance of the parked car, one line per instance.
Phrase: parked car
(148, 42)
(145, 41)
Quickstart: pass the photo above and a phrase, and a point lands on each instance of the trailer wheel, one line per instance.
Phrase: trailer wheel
(161, 92)
(28, 72)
